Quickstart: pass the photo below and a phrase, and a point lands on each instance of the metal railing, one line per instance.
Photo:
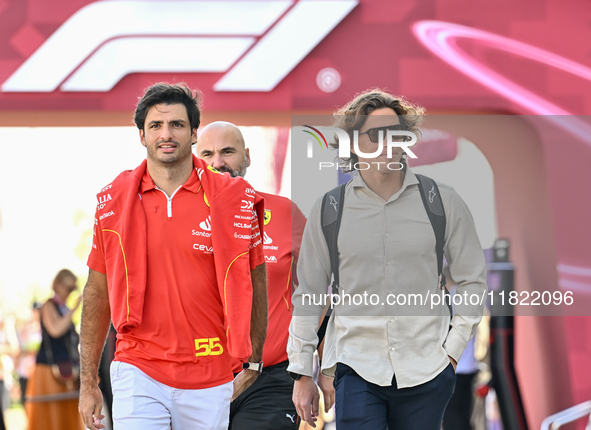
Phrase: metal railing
(555, 421)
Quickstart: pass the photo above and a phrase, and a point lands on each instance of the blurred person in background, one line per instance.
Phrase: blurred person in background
(52, 391)
(9, 350)
(267, 403)
(3, 343)
(29, 339)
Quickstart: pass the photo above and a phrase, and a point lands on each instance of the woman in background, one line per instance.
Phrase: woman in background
(8, 352)
(52, 397)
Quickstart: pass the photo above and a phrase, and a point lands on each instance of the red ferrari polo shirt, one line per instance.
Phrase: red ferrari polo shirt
(181, 341)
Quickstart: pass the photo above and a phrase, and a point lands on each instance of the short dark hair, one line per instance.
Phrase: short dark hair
(168, 94)
(353, 115)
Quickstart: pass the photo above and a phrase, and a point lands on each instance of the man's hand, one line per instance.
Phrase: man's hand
(326, 384)
(242, 381)
(454, 363)
(96, 316)
(305, 398)
(258, 328)
(90, 407)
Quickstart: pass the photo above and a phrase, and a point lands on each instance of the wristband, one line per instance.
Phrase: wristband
(257, 367)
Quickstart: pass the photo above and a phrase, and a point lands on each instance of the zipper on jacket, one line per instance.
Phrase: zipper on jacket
(169, 201)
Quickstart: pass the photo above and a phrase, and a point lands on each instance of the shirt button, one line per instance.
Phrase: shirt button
(393, 349)
(388, 263)
(387, 234)
(391, 320)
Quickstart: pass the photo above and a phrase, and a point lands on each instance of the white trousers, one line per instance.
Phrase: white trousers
(142, 403)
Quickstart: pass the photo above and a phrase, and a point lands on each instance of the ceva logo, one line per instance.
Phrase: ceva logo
(257, 43)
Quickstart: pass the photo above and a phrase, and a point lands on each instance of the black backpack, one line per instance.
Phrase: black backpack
(330, 218)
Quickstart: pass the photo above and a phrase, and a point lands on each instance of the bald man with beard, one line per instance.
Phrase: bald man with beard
(267, 404)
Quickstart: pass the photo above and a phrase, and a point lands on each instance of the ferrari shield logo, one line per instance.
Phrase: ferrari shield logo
(267, 216)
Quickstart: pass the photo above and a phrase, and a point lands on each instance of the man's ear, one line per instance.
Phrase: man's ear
(247, 157)
(194, 136)
(142, 138)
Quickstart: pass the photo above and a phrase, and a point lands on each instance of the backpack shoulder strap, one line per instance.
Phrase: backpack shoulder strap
(434, 206)
(330, 219)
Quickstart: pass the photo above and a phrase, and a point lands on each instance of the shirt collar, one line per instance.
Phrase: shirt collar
(409, 179)
(193, 184)
(147, 183)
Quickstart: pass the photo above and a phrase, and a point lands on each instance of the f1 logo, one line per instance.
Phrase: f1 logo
(106, 40)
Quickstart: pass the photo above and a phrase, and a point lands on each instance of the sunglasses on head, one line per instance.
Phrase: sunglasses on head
(374, 133)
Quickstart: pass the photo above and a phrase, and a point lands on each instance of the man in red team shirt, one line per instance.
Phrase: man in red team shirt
(267, 404)
(171, 269)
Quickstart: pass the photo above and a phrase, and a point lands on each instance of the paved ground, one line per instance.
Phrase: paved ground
(16, 419)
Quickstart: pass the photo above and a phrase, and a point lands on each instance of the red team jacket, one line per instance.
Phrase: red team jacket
(122, 216)
(283, 228)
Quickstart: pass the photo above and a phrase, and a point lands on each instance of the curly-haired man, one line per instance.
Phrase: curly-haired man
(394, 366)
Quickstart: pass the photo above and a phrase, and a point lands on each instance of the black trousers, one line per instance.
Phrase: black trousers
(459, 410)
(363, 405)
(2, 425)
(266, 404)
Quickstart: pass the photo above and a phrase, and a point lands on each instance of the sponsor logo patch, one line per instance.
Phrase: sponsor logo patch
(247, 206)
(206, 225)
(267, 216)
(105, 215)
(104, 199)
(204, 248)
